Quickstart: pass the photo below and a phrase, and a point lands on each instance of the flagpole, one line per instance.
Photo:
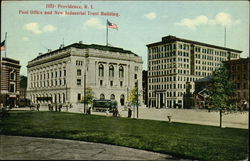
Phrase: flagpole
(225, 36)
(5, 45)
(107, 33)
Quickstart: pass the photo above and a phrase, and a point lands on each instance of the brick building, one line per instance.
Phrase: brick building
(239, 74)
(10, 82)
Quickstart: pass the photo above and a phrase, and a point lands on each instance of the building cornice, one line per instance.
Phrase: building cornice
(171, 39)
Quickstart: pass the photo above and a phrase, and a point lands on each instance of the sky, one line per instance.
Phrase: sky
(139, 23)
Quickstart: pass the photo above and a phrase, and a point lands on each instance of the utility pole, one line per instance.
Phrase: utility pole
(84, 92)
(137, 103)
(85, 84)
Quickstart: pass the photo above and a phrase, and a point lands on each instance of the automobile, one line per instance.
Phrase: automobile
(104, 105)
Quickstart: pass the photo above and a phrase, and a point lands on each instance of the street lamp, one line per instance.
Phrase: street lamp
(86, 66)
(137, 101)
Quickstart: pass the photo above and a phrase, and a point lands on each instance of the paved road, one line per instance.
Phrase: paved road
(33, 148)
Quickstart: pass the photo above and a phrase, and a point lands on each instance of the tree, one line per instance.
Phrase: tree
(132, 98)
(88, 99)
(222, 92)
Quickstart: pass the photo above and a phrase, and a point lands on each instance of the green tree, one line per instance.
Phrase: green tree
(88, 99)
(132, 98)
(222, 92)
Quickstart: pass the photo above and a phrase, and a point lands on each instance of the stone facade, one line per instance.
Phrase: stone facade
(59, 76)
(174, 61)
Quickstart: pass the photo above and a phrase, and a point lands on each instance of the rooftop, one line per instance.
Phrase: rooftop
(171, 39)
(86, 46)
(205, 79)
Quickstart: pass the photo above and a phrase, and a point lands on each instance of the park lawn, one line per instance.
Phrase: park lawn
(189, 141)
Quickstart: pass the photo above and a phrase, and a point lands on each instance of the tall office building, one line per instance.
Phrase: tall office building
(175, 62)
(59, 76)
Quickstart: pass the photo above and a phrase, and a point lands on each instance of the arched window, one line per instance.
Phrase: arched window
(12, 75)
(112, 96)
(111, 71)
(122, 98)
(102, 96)
(101, 70)
(121, 72)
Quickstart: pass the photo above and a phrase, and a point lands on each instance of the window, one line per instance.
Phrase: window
(79, 82)
(101, 82)
(102, 96)
(121, 72)
(122, 98)
(79, 96)
(79, 72)
(112, 97)
(121, 83)
(12, 75)
(111, 83)
(111, 71)
(101, 70)
(12, 87)
(238, 85)
(135, 76)
(64, 72)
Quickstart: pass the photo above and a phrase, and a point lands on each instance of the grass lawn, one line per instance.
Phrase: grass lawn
(178, 139)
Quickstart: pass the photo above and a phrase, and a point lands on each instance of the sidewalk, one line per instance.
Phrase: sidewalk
(34, 148)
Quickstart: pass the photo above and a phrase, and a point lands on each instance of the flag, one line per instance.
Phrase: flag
(3, 45)
(112, 25)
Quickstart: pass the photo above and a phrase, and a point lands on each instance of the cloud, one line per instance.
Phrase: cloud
(193, 23)
(24, 38)
(35, 28)
(150, 15)
(94, 23)
(223, 19)
(49, 28)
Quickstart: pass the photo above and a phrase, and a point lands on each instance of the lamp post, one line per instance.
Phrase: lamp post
(137, 101)
(86, 67)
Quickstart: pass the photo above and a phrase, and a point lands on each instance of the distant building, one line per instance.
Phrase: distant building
(201, 93)
(239, 74)
(145, 86)
(23, 87)
(59, 76)
(174, 61)
(10, 82)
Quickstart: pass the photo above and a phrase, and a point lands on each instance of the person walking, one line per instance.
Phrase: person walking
(129, 112)
(38, 107)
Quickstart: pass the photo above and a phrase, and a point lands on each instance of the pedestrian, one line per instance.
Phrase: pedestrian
(60, 107)
(56, 107)
(89, 111)
(67, 107)
(49, 106)
(38, 106)
(129, 112)
(116, 112)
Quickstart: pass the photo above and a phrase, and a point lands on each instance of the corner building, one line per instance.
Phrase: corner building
(59, 76)
(10, 82)
(175, 62)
